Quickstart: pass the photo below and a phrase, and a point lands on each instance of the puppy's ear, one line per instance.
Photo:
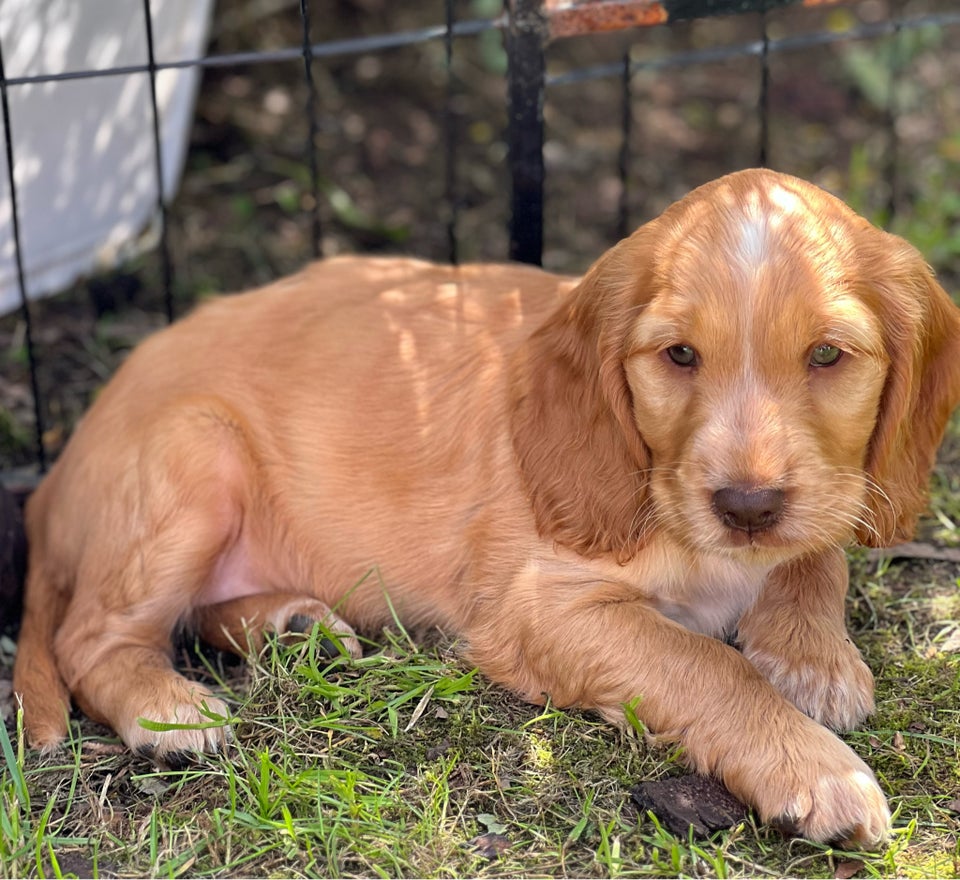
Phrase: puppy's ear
(581, 456)
(921, 326)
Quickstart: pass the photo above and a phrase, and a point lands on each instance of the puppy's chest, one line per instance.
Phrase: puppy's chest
(708, 596)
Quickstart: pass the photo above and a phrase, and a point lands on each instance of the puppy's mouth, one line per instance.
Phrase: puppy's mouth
(736, 538)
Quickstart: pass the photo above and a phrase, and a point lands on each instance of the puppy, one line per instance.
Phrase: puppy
(594, 483)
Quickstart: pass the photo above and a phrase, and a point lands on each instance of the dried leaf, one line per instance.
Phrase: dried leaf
(684, 802)
(151, 785)
(846, 870)
(491, 823)
(418, 712)
(96, 747)
(491, 846)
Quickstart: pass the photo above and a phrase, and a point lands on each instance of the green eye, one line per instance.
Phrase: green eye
(682, 355)
(825, 355)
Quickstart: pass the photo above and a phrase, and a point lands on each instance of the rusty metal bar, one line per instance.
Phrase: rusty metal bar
(571, 17)
(568, 18)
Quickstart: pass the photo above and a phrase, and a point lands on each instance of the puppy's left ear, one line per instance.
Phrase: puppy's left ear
(921, 327)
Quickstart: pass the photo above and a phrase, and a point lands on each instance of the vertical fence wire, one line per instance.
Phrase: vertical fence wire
(763, 100)
(166, 263)
(450, 140)
(526, 38)
(894, 60)
(21, 274)
(623, 159)
(316, 229)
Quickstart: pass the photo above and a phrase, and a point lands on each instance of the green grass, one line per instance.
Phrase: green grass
(396, 764)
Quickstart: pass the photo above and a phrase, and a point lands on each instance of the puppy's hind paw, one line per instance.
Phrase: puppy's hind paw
(336, 637)
(45, 740)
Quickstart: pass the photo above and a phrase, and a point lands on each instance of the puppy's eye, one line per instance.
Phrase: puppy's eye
(683, 355)
(825, 355)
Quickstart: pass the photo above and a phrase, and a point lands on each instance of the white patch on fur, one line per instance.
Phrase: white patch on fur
(705, 594)
(759, 224)
(753, 234)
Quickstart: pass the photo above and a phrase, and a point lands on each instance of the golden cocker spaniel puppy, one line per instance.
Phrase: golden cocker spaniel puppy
(593, 482)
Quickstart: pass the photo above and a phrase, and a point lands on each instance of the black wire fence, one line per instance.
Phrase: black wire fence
(529, 30)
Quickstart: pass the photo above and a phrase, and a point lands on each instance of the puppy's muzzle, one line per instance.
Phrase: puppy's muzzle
(748, 509)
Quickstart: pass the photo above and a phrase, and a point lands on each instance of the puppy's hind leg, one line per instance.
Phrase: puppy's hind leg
(180, 508)
(36, 679)
(238, 624)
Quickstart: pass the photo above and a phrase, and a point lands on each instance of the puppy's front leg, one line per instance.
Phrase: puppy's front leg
(796, 636)
(601, 646)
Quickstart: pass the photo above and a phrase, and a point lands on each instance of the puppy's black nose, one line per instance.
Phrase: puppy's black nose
(750, 510)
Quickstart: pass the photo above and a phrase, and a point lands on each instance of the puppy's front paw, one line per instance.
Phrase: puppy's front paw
(843, 807)
(826, 680)
(818, 789)
(836, 798)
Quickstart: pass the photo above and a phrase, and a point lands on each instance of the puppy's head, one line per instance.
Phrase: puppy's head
(757, 370)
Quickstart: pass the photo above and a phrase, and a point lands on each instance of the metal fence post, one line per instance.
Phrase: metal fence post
(166, 261)
(526, 38)
(312, 130)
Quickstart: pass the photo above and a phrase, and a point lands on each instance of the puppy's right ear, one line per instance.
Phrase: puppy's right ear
(581, 456)
(921, 326)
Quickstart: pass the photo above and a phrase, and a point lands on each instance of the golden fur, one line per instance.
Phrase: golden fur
(591, 482)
